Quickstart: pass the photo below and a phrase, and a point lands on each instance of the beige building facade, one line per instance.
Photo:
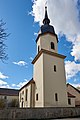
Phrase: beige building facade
(8, 96)
(26, 95)
(72, 90)
(48, 86)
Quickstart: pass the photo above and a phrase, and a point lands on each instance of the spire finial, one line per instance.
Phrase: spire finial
(46, 19)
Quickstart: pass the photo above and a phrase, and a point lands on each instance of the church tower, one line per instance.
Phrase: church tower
(49, 69)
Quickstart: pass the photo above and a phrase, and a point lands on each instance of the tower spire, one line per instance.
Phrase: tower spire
(46, 20)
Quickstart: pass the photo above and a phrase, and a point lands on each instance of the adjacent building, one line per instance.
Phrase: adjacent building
(72, 90)
(47, 88)
(9, 96)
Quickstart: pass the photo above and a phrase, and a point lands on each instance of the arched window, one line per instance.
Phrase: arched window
(56, 97)
(37, 97)
(54, 68)
(52, 45)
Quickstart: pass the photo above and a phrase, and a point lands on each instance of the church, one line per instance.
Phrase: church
(47, 88)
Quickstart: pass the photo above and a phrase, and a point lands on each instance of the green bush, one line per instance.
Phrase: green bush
(2, 103)
(14, 103)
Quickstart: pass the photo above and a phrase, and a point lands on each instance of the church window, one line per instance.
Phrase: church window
(22, 104)
(20, 97)
(26, 95)
(52, 46)
(37, 97)
(69, 101)
(56, 97)
(54, 68)
(22, 92)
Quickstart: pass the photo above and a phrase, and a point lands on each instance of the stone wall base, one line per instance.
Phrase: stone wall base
(38, 113)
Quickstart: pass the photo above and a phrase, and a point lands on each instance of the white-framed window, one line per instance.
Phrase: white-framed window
(20, 97)
(56, 97)
(37, 97)
(54, 68)
(52, 46)
(26, 94)
(69, 101)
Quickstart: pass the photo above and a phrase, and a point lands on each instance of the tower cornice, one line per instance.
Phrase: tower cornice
(39, 35)
(49, 53)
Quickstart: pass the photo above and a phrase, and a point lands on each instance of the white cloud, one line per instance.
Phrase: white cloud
(35, 34)
(76, 49)
(13, 85)
(75, 80)
(4, 84)
(64, 16)
(20, 63)
(75, 85)
(31, 58)
(2, 76)
(72, 69)
(62, 13)
(21, 84)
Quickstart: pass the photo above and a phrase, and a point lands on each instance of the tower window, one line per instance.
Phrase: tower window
(52, 46)
(37, 97)
(56, 97)
(26, 94)
(69, 101)
(54, 68)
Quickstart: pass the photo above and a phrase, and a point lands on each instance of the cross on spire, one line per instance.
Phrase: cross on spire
(46, 19)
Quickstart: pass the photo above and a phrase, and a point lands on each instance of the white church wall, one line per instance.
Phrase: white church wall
(22, 96)
(54, 82)
(44, 42)
(38, 78)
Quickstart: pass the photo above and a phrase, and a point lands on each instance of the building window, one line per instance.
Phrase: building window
(56, 97)
(37, 97)
(22, 104)
(69, 101)
(20, 97)
(54, 68)
(52, 46)
(26, 94)
(5, 97)
(22, 92)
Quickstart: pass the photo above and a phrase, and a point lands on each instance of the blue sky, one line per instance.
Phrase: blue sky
(24, 25)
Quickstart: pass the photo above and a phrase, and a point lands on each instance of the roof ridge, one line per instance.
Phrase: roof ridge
(73, 87)
(30, 81)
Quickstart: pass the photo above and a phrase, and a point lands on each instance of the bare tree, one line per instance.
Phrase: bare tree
(3, 37)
